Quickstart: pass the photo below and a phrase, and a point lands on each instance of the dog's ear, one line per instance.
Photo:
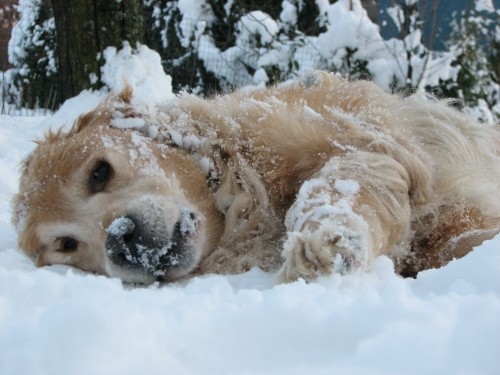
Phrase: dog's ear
(25, 164)
(87, 119)
(126, 94)
(17, 202)
(99, 116)
(104, 112)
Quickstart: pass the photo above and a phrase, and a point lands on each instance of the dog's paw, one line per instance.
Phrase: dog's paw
(328, 249)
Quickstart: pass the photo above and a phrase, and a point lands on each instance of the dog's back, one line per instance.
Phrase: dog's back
(342, 170)
(288, 133)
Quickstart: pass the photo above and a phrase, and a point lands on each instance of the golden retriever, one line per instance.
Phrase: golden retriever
(306, 178)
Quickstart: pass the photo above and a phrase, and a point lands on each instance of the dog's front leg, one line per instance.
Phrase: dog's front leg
(355, 208)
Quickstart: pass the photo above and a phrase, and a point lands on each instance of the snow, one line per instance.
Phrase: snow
(141, 69)
(289, 13)
(120, 226)
(59, 320)
(347, 187)
(72, 108)
(195, 15)
(257, 23)
(484, 5)
(128, 123)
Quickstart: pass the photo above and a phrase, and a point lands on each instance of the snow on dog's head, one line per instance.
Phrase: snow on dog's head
(113, 202)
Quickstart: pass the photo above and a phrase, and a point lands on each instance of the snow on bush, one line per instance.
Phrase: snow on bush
(212, 46)
(193, 10)
(32, 52)
(265, 50)
(351, 38)
(27, 33)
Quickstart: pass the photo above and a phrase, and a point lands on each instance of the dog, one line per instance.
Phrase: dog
(304, 179)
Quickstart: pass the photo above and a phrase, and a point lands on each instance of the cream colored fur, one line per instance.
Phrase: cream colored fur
(312, 177)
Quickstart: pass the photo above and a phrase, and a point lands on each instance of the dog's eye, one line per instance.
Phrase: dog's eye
(68, 245)
(100, 176)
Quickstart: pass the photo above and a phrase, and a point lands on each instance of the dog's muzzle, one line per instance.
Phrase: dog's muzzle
(147, 247)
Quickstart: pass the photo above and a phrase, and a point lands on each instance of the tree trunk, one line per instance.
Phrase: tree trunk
(84, 29)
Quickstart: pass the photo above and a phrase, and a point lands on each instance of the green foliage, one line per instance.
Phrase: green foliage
(477, 78)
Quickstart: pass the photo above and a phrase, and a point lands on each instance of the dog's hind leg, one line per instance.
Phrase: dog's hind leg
(355, 208)
(457, 232)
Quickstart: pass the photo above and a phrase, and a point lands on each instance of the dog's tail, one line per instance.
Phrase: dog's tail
(465, 154)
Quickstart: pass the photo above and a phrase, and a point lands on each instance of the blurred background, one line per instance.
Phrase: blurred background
(51, 50)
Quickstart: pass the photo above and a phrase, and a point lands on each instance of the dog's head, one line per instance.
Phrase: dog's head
(114, 202)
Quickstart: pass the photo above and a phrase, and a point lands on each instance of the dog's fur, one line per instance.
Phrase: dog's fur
(309, 178)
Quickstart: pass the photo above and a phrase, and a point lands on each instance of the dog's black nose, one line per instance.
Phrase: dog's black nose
(121, 241)
(147, 245)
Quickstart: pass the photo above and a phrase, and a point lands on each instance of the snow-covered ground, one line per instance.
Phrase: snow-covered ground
(58, 320)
